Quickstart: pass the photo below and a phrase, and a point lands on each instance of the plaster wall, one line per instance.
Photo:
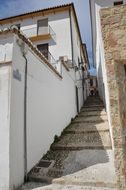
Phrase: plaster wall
(6, 48)
(51, 104)
(5, 76)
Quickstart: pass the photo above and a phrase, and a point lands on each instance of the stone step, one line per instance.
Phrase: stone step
(87, 128)
(72, 187)
(93, 99)
(81, 147)
(93, 102)
(91, 119)
(32, 186)
(55, 173)
(91, 113)
(100, 185)
(91, 185)
(93, 106)
(47, 177)
(96, 140)
(88, 109)
(39, 179)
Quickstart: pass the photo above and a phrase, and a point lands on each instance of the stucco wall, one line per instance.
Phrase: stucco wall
(17, 119)
(114, 36)
(51, 104)
(6, 48)
(5, 75)
(75, 41)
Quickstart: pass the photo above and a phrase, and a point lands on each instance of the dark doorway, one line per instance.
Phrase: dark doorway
(43, 48)
(118, 3)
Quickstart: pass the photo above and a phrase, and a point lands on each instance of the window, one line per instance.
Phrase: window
(42, 26)
(118, 3)
(43, 48)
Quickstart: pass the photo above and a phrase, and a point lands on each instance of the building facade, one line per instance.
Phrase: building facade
(98, 50)
(108, 30)
(43, 85)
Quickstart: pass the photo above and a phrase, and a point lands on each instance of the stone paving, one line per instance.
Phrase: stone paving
(83, 156)
(30, 186)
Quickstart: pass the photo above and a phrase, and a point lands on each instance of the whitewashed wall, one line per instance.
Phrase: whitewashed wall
(5, 71)
(51, 106)
(6, 47)
(76, 41)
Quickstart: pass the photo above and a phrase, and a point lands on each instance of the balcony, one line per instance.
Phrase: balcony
(44, 33)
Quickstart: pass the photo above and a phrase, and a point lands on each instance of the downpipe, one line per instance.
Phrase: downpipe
(25, 117)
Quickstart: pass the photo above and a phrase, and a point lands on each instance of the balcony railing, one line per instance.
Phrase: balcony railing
(40, 33)
(52, 61)
(50, 58)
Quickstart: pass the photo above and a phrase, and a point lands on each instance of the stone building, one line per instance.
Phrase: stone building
(110, 59)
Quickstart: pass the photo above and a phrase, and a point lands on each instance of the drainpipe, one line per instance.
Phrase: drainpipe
(71, 37)
(23, 52)
(25, 117)
(83, 83)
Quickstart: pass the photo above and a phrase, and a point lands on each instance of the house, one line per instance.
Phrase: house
(108, 36)
(43, 85)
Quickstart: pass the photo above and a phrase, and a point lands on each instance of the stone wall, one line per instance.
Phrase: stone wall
(113, 22)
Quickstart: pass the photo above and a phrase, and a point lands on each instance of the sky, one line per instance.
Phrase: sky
(15, 7)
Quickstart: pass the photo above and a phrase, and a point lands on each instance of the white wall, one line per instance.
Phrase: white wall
(76, 41)
(51, 105)
(6, 48)
(17, 119)
(5, 71)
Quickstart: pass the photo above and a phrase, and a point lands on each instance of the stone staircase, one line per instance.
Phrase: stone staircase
(82, 158)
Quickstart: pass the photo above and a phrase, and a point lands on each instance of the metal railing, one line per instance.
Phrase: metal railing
(34, 31)
(50, 58)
